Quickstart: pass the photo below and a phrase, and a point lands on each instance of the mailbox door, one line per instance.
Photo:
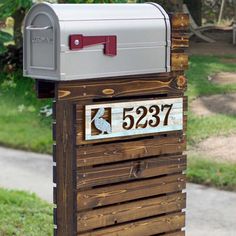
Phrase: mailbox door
(41, 37)
(40, 44)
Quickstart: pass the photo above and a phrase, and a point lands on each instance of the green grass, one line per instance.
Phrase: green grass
(204, 171)
(200, 128)
(200, 169)
(21, 124)
(24, 214)
(201, 67)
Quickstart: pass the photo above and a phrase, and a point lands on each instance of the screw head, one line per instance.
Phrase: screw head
(76, 42)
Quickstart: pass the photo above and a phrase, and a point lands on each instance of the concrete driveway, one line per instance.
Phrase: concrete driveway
(210, 212)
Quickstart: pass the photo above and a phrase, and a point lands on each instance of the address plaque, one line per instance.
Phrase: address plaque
(121, 119)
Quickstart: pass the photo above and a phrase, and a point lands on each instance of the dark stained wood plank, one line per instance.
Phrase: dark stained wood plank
(121, 151)
(179, 233)
(45, 89)
(185, 122)
(65, 169)
(54, 131)
(180, 22)
(129, 191)
(130, 211)
(180, 40)
(80, 140)
(185, 104)
(115, 88)
(174, 233)
(127, 171)
(143, 227)
(179, 61)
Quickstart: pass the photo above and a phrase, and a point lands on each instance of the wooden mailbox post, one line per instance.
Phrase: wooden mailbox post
(118, 148)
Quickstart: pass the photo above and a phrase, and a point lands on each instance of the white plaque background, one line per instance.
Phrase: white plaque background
(175, 120)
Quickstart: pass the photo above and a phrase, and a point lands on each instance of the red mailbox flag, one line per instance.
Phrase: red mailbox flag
(78, 41)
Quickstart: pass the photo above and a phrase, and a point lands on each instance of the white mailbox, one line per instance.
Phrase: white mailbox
(83, 41)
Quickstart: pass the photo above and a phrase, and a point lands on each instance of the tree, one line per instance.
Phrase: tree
(16, 9)
(4, 38)
(195, 8)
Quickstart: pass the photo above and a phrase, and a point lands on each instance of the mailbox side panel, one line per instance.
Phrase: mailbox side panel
(143, 46)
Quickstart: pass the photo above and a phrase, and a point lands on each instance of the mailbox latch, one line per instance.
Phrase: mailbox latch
(78, 41)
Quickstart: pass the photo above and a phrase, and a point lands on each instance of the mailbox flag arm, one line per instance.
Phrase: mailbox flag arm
(78, 42)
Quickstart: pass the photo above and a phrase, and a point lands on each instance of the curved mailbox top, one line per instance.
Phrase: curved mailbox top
(69, 12)
(84, 41)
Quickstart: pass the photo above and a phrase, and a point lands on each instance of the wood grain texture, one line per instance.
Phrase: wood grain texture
(179, 40)
(143, 227)
(180, 22)
(129, 191)
(120, 87)
(178, 233)
(80, 136)
(130, 211)
(65, 169)
(131, 170)
(179, 61)
(121, 151)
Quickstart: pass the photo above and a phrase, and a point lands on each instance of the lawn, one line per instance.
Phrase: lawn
(201, 170)
(198, 85)
(21, 124)
(25, 214)
(210, 173)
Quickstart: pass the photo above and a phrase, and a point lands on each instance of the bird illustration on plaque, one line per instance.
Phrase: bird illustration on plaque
(100, 122)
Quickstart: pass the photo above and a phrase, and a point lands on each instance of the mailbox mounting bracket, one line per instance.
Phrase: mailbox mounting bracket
(78, 41)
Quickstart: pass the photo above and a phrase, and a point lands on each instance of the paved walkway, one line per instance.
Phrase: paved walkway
(210, 212)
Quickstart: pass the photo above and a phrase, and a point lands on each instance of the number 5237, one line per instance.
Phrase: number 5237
(143, 116)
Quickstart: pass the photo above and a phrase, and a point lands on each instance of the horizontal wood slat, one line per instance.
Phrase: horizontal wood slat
(81, 141)
(145, 85)
(146, 168)
(130, 211)
(180, 40)
(143, 227)
(179, 233)
(129, 191)
(121, 151)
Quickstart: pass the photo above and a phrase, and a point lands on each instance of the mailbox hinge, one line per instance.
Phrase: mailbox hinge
(78, 41)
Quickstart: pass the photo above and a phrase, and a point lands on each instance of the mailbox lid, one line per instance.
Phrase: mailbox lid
(143, 40)
(94, 12)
